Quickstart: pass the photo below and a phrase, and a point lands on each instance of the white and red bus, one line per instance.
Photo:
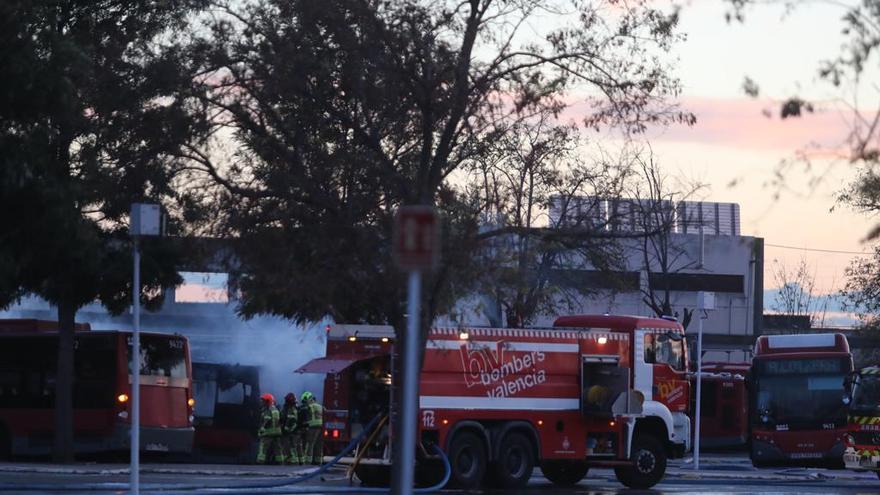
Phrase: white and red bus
(101, 390)
(797, 414)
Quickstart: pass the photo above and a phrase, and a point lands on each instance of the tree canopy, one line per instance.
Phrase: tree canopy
(84, 129)
(323, 117)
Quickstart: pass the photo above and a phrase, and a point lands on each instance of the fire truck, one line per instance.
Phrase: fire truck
(797, 414)
(593, 390)
(863, 440)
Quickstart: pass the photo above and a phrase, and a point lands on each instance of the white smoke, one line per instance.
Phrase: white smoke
(218, 335)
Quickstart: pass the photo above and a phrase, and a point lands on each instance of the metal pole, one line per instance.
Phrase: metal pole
(409, 396)
(134, 485)
(699, 389)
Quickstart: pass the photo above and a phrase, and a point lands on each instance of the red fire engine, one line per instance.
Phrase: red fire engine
(797, 413)
(595, 390)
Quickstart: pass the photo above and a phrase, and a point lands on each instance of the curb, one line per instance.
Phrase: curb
(153, 470)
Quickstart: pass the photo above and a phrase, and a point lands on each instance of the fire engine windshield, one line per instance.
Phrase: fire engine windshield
(803, 392)
(866, 393)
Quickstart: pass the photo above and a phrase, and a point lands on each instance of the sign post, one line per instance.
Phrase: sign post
(145, 221)
(705, 302)
(415, 249)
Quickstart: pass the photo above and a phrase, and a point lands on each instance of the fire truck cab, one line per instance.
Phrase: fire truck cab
(862, 452)
(594, 390)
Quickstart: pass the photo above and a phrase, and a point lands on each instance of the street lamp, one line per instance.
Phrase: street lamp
(145, 221)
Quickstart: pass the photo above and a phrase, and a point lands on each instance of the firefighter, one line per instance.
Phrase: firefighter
(270, 431)
(314, 451)
(300, 432)
(291, 442)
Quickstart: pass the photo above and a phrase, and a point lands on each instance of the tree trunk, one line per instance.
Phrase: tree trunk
(64, 384)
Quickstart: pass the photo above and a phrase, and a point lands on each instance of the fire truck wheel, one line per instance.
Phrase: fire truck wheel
(468, 458)
(564, 473)
(648, 464)
(515, 463)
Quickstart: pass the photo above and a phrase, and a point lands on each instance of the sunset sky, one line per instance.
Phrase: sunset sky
(733, 142)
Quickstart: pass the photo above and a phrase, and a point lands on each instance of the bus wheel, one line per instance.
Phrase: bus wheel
(648, 464)
(516, 461)
(564, 473)
(372, 475)
(468, 459)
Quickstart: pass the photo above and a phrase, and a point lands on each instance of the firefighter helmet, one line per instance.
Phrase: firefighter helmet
(268, 398)
(306, 396)
(290, 397)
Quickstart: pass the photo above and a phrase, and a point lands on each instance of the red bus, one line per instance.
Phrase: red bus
(797, 414)
(28, 364)
(724, 406)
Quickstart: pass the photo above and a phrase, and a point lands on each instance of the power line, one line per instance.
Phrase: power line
(815, 250)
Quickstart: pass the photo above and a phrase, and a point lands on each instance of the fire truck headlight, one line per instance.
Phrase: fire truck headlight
(123, 415)
(540, 422)
(463, 335)
(603, 340)
(191, 402)
(122, 398)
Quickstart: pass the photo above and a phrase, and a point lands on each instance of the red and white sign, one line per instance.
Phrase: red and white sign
(416, 238)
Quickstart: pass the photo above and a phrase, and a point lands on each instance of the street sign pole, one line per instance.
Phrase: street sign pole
(136, 373)
(705, 302)
(409, 400)
(415, 249)
(146, 220)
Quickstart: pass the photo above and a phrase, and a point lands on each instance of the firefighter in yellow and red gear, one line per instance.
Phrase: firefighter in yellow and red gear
(314, 451)
(270, 431)
(291, 441)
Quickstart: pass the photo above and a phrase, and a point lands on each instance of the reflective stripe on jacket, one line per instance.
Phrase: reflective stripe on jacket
(290, 419)
(270, 422)
(317, 416)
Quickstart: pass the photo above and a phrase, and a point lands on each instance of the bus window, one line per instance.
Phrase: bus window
(162, 356)
(10, 388)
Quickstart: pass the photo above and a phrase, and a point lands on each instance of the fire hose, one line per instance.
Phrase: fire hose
(274, 487)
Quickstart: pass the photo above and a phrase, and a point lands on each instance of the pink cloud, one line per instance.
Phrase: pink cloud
(742, 123)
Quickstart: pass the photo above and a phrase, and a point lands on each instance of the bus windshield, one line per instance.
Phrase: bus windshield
(162, 355)
(866, 393)
(804, 392)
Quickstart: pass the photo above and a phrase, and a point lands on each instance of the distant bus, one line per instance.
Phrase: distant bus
(226, 412)
(797, 414)
(724, 406)
(101, 390)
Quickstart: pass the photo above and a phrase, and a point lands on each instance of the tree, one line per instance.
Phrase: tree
(663, 253)
(861, 292)
(84, 128)
(797, 294)
(326, 116)
(850, 77)
(533, 186)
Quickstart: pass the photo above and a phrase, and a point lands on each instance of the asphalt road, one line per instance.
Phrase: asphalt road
(730, 477)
